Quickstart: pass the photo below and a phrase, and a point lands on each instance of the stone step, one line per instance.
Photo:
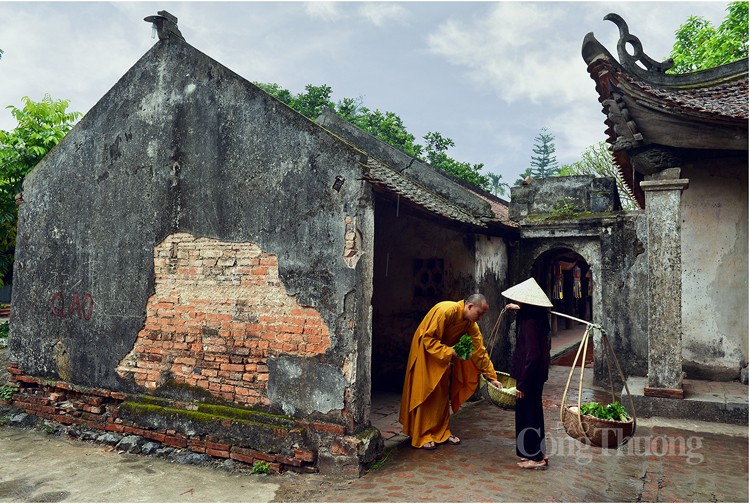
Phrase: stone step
(708, 401)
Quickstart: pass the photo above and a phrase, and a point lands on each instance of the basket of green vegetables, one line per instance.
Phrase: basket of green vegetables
(504, 397)
(607, 426)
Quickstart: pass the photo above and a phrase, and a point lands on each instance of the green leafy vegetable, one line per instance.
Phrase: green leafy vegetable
(613, 411)
(464, 348)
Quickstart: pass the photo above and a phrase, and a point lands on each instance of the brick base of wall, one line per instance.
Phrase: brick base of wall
(222, 432)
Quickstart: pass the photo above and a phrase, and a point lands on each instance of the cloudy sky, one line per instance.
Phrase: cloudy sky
(488, 75)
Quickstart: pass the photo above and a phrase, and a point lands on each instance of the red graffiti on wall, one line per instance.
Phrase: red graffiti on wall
(80, 306)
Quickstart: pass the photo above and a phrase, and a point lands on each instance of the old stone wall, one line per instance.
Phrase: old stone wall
(573, 215)
(624, 301)
(187, 178)
(217, 430)
(558, 195)
(714, 220)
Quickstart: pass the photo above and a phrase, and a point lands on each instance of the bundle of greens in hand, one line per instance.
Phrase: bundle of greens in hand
(464, 348)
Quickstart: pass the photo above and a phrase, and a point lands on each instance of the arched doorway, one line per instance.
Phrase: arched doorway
(568, 280)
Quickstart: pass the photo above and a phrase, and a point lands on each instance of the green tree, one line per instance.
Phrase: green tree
(281, 94)
(699, 45)
(386, 126)
(312, 101)
(497, 187)
(309, 103)
(436, 148)
(597, 160)
(41, 125)
(544, 163)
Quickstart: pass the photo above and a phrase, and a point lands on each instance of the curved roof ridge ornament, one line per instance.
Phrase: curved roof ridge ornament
(165, 24)
(652, 71)
(629, 61)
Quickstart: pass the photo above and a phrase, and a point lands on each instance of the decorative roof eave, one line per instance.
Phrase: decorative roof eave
(651, 116)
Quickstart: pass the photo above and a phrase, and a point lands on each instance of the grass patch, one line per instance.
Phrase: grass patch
(4, 328)
(7, 391)
(260, 467)
(382, 460)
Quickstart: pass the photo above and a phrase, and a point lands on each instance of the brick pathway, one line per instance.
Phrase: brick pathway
(660, 464)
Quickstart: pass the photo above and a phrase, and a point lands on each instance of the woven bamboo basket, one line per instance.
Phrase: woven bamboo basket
(586, 428)
(499, 397)
(595, 431)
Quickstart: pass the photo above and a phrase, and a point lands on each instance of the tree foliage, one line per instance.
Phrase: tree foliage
(436, 148)
(497, 187)
(699, 45)
(543, 162)
(41, 125)
(597, 160)
(386, 126)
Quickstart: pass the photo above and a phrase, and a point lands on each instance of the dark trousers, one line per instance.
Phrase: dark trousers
(530, 425)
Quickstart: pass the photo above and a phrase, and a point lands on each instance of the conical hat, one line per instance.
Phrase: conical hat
(528, 292)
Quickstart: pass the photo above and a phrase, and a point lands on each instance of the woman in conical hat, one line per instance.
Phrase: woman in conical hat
(529, 366)
(528, 292)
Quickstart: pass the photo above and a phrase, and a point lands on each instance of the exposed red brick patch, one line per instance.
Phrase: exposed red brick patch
(218, 312)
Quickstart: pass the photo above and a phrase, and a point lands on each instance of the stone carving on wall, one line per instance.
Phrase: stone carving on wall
(652, 160)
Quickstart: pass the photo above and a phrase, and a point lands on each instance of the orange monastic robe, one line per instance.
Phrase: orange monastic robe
(424, 402)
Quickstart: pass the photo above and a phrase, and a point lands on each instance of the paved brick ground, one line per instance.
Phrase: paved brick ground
(660, 464)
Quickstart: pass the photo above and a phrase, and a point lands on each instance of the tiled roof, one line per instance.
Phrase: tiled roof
(425, 186)
(727, 99)
(380, 174)
(652, 115)
(499, 209)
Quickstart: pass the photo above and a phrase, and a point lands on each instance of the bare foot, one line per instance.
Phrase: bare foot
(533, 464)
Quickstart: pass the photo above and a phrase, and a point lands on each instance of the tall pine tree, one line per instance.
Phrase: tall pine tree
(544, 163)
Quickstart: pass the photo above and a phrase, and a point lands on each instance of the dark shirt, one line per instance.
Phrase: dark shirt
(530, 363)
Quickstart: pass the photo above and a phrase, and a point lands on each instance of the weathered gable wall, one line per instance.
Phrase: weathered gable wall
(182, 153)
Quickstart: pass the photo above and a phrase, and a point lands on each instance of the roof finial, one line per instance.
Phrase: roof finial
(165, 25)
(629, 61)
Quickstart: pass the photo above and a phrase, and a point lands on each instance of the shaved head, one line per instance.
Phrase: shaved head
(475, 299)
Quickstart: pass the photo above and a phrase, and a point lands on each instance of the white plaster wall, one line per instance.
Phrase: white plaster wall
(715, 266)
(491, 257)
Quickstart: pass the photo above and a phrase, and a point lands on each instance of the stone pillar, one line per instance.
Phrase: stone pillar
(663, 191)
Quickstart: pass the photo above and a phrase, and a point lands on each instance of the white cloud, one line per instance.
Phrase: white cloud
(577, 128)
(376, 13)
(518, 50)
(499, 70)
(380, 13)
(327, 11)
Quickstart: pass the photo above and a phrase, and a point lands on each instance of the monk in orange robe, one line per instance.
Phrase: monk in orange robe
(429, 380)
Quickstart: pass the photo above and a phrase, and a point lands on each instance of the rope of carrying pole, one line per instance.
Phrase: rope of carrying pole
(582, 349)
